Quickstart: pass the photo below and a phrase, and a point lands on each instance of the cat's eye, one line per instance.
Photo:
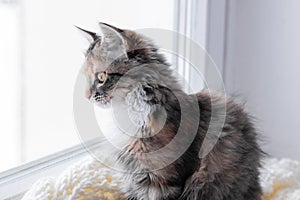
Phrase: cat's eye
(102, 77)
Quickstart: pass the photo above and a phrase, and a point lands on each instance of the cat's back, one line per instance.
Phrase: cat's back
(226, 121)
(223, 109)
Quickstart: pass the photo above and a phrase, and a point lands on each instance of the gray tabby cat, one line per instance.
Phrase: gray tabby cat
(124, 65)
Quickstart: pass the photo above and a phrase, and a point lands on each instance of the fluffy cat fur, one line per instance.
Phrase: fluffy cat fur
(138, 76)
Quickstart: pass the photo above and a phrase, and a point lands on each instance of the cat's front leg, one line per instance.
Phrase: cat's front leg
(201, 187)
(196, 189)
(193, 188)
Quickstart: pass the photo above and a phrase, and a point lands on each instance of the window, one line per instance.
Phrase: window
(41, 53)
(40, 56)
(10, 83)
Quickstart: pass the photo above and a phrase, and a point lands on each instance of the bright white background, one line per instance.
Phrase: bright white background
(10, 105)
(41, 53)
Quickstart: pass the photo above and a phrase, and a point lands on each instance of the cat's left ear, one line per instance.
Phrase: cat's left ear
(90, 36)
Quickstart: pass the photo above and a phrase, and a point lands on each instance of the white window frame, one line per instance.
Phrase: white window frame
(204, 22)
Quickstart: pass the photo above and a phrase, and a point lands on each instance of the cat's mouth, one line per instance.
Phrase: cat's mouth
(101, 100)
(105, 99)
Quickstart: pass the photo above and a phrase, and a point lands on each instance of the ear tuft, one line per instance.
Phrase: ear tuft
(90, 36)
(101, 24)
(109, 31)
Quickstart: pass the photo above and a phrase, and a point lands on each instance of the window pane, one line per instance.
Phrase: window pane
(9, 87)
(41, 53)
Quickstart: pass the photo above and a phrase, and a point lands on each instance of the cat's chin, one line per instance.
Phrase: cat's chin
(102, 104)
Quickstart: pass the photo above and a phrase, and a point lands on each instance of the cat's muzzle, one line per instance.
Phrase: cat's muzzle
(100, 99)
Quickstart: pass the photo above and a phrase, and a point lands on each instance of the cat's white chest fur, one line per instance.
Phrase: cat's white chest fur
(116, 124)
(125, 117)
(109, 127)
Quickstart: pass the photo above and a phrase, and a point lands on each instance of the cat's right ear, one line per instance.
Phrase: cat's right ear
(90, 36)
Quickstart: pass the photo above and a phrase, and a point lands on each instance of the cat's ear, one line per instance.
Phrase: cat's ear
(90, 36)
(111, 26)
(128, 43)
(113, 39)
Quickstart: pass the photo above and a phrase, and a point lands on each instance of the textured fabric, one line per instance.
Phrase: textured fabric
(89, 180)
(280, 179)
(85, 180)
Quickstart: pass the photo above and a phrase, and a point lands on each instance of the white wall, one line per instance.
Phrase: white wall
(263, 66)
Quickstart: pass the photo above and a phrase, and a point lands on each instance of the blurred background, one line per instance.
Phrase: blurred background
(255, 44)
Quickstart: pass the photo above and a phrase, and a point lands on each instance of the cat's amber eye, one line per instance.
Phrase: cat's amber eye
(102, 77)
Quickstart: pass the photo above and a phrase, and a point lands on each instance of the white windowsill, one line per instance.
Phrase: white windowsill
(15, 182)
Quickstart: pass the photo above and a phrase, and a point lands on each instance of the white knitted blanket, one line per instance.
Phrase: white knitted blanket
(89, 180)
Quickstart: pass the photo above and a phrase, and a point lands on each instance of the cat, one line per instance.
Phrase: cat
(126, 67)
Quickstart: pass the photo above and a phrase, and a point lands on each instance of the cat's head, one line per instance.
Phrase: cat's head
(111, 55)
